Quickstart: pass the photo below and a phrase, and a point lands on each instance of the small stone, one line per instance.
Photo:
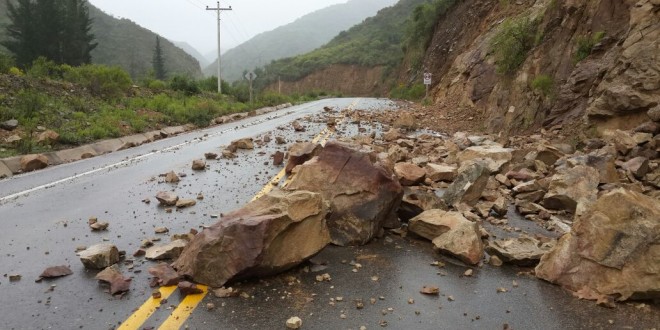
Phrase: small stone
(156, 294)
(187, 288)
(468, 272)
(15, 277)
(450, 298)
(430, 290)
(411, 301)
(501, 290)
(210, 306)
(183, 203)
(210, 155)
(161, 230)
(294, 323)
(171, 177)
(198, 165)
(495, 261)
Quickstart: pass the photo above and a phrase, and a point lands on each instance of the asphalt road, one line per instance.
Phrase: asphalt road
(43, 218)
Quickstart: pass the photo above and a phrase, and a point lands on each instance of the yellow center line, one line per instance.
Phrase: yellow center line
(146, 310)
(184, 310)
(190, 302)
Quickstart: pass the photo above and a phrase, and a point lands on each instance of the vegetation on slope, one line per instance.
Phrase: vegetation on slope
(93, 102)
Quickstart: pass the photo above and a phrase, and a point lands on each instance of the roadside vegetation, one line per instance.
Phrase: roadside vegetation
(586, 43)
(512, 43)
(92, 102)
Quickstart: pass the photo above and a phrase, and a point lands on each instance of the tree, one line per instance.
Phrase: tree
(59, 30)
(159, 61)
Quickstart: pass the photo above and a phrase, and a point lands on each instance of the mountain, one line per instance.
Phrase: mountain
(300, 36)
(194, 52)
(124, 43)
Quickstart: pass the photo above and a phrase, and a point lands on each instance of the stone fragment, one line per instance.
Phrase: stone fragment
(278, 158)
(167, 251)
(9, 125)
(409, 174)
(228, 154)
(210, 155)
(294, 323)
(280, 140)
(468, 186)
(571, 187)
(416, 201)
(48, 137)
(96, 225)
(186, 202)
(522, 251)
(167, 198)
(31, 163)
(165, 275)
(430, 290)
(99, 256)
(392, 135)
(363, 195)
(271, 234)
(638, 166)
(297, 126)
(299, 153)
(171, 177)
(654, 113)
(463, 241)
(225, 292)
(494, 156)
(405, 120)
(198, 165)
(112, 276)
(433, 223)
(245, 144)
(54, 272)
(613, 249)
(187, 288)
(438, 172)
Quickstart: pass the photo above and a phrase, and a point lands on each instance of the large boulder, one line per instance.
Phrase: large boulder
(269, 235)
(571, 187)
(523, 251)
(433, 223)
(409, 174)
(363, 195)
(31, 163)
(99, 256)
(462, 240)
(493, 155)
(440, 172)
(299, 153)
(246, 143)
(613, 249)
(416, 200)
(468, 186)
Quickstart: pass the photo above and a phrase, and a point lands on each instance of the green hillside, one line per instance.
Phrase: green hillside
(305, 34)
(124, 43)
(378, 41)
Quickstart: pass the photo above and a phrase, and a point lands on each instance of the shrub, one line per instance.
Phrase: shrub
(44, 68)
(184, 84)
(512, 43)
(412, 93)
(585, 44)
(543, 83)
(157, 85)
(28, 105)
(6, 63)
(103, 81)
(15, 71)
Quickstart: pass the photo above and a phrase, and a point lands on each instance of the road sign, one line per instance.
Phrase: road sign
(250, 76)
(427, 78)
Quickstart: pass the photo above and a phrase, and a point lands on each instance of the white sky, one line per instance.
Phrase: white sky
(187, 20)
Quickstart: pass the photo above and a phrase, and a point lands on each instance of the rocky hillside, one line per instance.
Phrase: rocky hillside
(595, 60)
(303, 35)
(122, 42)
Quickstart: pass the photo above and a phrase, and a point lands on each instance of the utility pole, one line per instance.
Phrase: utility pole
(219, 10)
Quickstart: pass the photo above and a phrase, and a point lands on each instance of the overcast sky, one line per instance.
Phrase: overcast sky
(187, 20)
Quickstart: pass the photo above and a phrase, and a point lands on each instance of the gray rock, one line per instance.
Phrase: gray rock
(522, 251)
(468, 186)
(99, 256)
(9, 125)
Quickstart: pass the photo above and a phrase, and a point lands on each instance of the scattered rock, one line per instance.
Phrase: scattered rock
(165, 275)
(167, 198)
(198, 165)
(638, 166)
(96, 225)
(468, 186)
(416, 201)
(9, 125)
(278, 158)
(187, 288)
(171, 177)
(245, 144)
(570, 187)
(409, 174)
(438, 172)
(210, 155)
(294, 323)
(48, 137)
(363, 195)
(112, 276)
(31, 163)
(297, 126)
(161, 230)
(494, 156)
(457, 236)
(522, 251)
(183, 203)
(269, 235)
(280, 140)
(430, 290)
(225, 292)
(99, 256)
(299, 153)
(15, 277)
(54, 272)
(612, 249)
(167, 251)
(406, 120)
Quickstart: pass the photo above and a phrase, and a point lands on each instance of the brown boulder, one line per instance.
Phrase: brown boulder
(48, 137)
(522, 251)
(493, 155)
(416, 201)
(363, 195)
(461, 238)
(438, 172)
(198, 165)
(115, 279)
(638, 166)
(269, 235)
(409, 174)
(167, 198)
(278, 158)
(572, 187)
(299, 153)
(468, 186)
(171, 177)
(166, 251)
(245, 144)
(31, 163)
(613, 249)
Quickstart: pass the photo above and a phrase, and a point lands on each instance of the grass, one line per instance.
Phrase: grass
(585, 44)
(544, 84)
(512, 43)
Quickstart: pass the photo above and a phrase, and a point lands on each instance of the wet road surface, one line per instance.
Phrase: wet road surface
(42, 223)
